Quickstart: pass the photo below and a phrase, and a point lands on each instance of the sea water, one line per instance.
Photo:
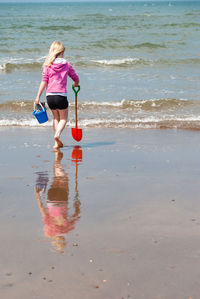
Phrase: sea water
(138, 62)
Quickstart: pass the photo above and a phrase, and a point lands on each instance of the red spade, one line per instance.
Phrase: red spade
(76, 133)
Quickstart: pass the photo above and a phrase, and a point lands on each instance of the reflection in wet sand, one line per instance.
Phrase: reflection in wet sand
(56, 219)
(76, 160)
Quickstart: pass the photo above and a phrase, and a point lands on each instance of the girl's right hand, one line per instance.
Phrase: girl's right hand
(37, 101)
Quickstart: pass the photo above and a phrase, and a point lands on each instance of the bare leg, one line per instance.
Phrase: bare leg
(60, 120)
(63, 114)
(56, 119)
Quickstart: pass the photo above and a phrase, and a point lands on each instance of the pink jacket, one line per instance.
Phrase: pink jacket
(56, 75)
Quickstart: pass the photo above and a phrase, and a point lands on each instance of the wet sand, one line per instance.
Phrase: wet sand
(131, 207)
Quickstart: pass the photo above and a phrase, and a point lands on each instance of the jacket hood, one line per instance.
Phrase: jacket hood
(59, 64)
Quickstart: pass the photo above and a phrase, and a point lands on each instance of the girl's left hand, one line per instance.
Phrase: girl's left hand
(76, 84)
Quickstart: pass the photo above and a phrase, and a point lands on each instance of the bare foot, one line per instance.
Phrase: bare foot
(58, 143)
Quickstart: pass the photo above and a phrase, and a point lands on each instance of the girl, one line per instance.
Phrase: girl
(55, 72)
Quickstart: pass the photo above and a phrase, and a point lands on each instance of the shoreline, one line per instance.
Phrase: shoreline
(134, 196)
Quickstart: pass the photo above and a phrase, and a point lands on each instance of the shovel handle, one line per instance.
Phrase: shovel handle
(76, 93)
(74, 89)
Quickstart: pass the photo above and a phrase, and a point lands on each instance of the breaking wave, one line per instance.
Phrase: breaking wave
(190, 123)
(128, 62)
(133, 114)
(167, 104)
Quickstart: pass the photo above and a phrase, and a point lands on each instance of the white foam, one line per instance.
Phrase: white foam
(117, 61)
(22, 123)
(96, 104)
(124, 119)
(3, 67)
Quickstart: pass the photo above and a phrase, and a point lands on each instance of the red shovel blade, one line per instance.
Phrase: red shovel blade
(77, 134)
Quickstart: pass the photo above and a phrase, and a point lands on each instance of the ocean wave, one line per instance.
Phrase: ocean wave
(108, 43)
(32, 51)
(8, 67)
(8, 64)
(14, 122)
(17, 106)
(90, 15)
(126, 62)
(181, 25)
(117, 44)
(131, 62)
(118, 62)
(192, 123)
(152, 113)
(193, 13)
(20, 26)
(151, 122)
(60, 27)
(167, 104)
(142, 105)
(13, 65)
(149, 45)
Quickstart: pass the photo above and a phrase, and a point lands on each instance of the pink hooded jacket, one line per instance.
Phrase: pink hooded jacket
(56, 75)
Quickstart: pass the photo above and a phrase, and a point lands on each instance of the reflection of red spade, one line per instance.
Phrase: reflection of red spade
(76, 160)
(77, 155)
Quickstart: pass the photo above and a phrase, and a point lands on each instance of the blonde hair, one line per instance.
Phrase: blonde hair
(55, 49)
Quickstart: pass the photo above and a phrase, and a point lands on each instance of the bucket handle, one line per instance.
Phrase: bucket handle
(41, 106)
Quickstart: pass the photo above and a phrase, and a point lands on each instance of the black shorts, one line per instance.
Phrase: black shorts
(57, 102)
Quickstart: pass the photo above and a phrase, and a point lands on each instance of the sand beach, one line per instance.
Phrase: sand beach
(131, 209)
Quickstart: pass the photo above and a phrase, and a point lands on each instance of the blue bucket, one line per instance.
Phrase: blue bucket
(41, 115)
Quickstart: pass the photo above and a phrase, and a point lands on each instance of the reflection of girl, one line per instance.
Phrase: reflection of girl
(57, 223)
